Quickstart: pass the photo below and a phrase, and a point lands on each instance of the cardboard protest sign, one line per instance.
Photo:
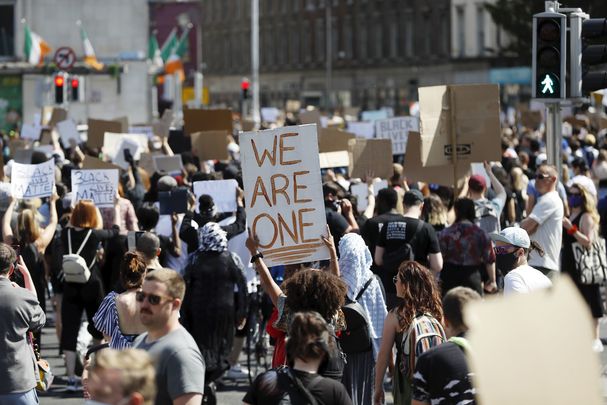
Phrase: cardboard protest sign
(283, 193)
(198, 120)
(222, 191)
(96, 130)
(397, 130)
(210, 145)
(30, 131)
(333, 140)
(68, 131)
(57, 115)
(360, 190)
(460, 122)
(270, 114)
(449, 175)
(362, 129)
(531, 119)
(553, 365)
(146, 162)
(175, 201)
(31, 181)
(375, 115)
(111, 142)
(370, 156)
(90, 163)
(329, 160)
(310, 117)
(124, 123)
(167, 164)
(100, 186)
(133, 147)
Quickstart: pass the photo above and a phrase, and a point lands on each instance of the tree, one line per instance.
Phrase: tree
(515, 18)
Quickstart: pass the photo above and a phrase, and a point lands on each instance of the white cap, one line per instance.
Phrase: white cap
(512, 236)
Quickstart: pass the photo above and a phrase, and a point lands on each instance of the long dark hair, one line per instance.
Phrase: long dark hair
(421, 294)
(309, 337)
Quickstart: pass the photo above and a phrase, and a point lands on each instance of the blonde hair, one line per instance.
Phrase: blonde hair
(171, 279)
(589, 206)
(136, 371)
(28, 230)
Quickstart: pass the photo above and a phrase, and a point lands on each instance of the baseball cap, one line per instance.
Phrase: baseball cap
(477, 182)
(413, 197)
(166, 183)
(513, 236)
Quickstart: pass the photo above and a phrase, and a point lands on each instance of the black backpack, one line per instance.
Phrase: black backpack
(393, 259)
(356, 338)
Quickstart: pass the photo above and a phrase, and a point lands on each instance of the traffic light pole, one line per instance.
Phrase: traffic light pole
(255, 61)
(554, 136)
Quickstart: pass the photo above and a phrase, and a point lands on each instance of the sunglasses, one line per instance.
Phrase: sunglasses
(503, 250)
(153, 299)
(542, 176)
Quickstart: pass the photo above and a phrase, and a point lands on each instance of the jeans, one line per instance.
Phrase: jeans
(21, 398)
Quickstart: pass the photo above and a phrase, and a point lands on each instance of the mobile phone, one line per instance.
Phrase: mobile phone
(128, 156)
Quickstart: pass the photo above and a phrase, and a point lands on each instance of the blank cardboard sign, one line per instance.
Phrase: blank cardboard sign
(333, 140)
(210, 145)
(534, 349)
(197, 120)
(98, 128)
(370, 156)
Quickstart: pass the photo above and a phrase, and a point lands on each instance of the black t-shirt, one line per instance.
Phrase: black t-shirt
(370, 231)
(265, 390)
(400, 230)
(337, 224)
(442, 376)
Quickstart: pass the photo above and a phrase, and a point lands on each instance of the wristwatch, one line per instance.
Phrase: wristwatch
(256, 257)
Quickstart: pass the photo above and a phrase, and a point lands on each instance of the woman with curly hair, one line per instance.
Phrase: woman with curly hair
(416, 286)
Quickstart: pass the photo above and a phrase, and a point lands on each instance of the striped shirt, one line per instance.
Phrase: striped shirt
(106, 321)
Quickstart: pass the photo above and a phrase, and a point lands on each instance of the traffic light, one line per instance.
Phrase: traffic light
(75, 88)
(59, 81)
(587, 38)
(244, 86)
(549, 56)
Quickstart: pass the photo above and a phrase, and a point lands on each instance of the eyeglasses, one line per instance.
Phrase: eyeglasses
(542, 176)
(503, 250)
(153, 299)
(394, 279)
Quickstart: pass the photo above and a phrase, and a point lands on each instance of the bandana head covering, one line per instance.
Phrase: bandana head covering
(212, 238)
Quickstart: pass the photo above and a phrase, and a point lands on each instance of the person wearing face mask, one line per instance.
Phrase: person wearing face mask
(512, 245)
(582, 227)
(122, 378)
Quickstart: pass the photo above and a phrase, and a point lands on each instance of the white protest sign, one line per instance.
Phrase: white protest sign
(132, 146)
(334, 159)
(167, 164)
(364, 129)
(30, 131)
(111, 142)
(397, 130)
(142, 130)
(100, 186)
(68, 130)
(270, 114)
(222, 191)
(31, 181)
(374, 115)
(283, 193)
(360, 191)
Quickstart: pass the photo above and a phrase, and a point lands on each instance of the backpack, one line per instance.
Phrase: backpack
(75, 269)
(424, 333)
(487, 217)
(294, 390)
(393, 259)
(356, 338)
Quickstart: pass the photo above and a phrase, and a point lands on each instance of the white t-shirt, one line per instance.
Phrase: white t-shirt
(525, 279)
(548, 213)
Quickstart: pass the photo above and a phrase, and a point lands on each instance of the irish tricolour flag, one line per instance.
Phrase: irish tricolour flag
(34, 47)
(89, 53)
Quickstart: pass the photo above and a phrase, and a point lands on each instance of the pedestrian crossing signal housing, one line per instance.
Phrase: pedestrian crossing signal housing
(549, 56)
(59, 81)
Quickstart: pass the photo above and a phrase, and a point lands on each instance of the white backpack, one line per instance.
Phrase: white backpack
(75, 269)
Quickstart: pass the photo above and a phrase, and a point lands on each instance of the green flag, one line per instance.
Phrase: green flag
(182, 45)
(169, 44)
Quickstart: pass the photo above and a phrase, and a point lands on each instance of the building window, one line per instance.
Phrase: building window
(348, 40)
(335, 48)
(429, 33)
(306, 44)
(319, 40)
(408, 34)
(393, 39)
(379, 40)
(362, 42)
(480, 29)
(295, 44)
(7, 30)
(460, 18)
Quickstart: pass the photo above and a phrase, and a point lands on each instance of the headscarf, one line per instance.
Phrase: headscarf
(212, 238)
(355, 268)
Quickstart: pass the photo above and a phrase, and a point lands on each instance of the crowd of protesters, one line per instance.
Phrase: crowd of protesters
(169, 294)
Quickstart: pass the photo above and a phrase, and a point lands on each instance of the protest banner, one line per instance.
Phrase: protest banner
(222, 191)
(370, 156)
(57, 115)
(30, 131)
(100, 186)
(31, 181)
(167, 164)
(97, 129)
(210, 145)
(531, 371)
(91, 163)
(371, 116)
(329, 160)
(362, 129)
(460, 122)
(283, 193)
(133, 148)
(449, 175)
(68, 131)
(333, 140)
(397, 130)
(175, 201)
(111, 142)
(198, 120)
(360, 191)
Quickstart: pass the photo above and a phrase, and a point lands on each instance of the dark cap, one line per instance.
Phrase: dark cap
(413, 197)
(477, 183)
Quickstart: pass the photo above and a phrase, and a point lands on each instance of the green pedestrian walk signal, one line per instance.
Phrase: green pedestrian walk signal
(549, 85)
(549, 55)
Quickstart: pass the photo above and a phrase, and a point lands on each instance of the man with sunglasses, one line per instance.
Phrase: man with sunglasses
(545, 222)
(179, 365)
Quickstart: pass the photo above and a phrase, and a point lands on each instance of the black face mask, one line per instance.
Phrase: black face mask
(506, 262)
